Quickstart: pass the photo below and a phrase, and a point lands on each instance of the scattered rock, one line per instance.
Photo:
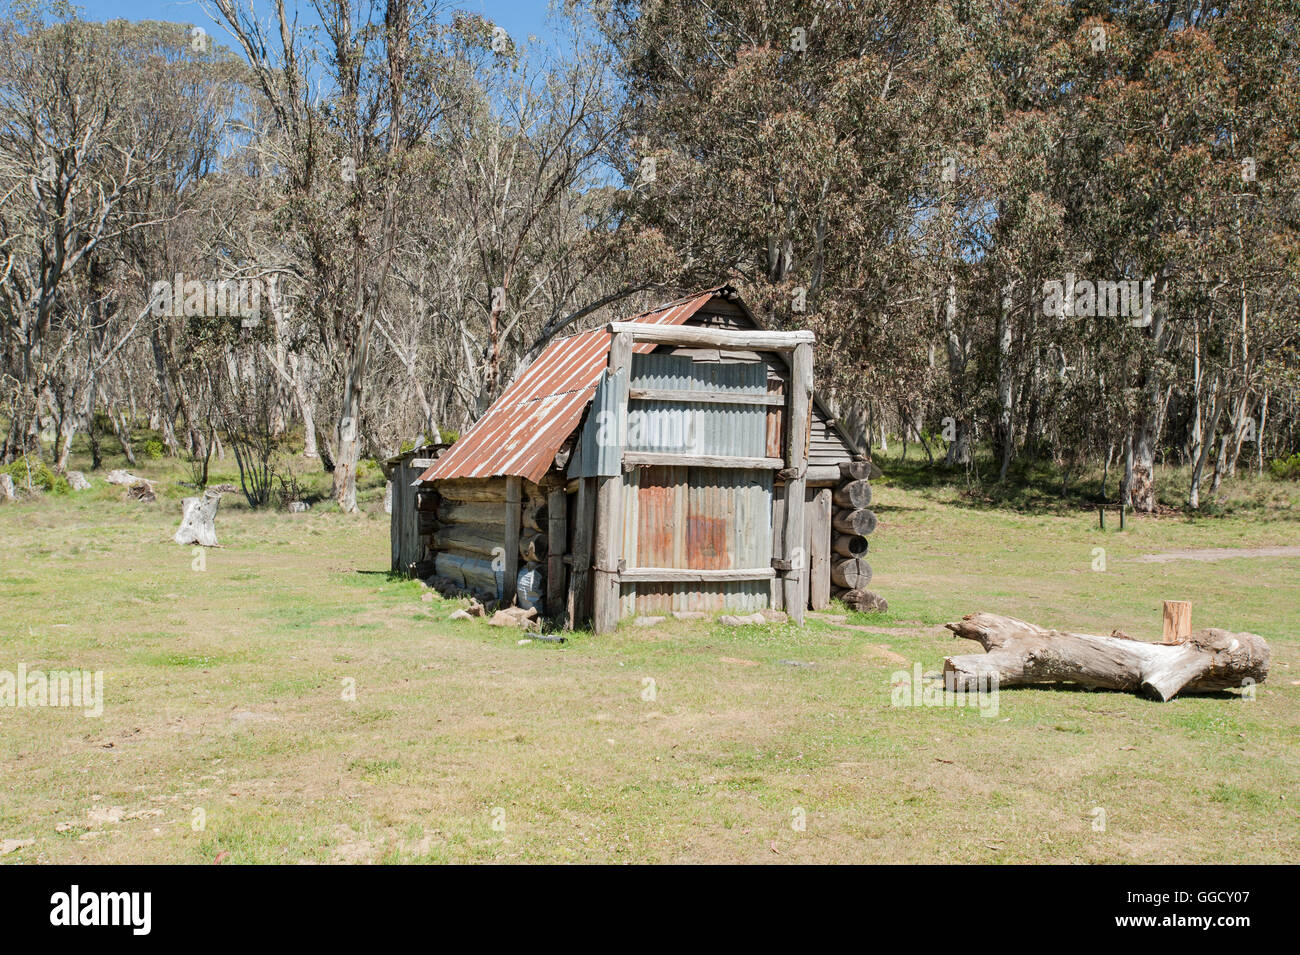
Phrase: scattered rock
(648, 621)
(13, 845)
(775, 616)
(426, 598)
(298, 507)
(689, 615)
(460, 615)
(516, 617)
(77, 481)
(476, 609)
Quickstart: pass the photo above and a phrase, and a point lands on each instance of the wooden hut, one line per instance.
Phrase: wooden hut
(647, 467)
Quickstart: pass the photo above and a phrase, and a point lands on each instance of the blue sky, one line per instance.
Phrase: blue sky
(519, 17)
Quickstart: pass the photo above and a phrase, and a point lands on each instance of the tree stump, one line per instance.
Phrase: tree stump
(7, 490)
(199, 516)
(1020, 653)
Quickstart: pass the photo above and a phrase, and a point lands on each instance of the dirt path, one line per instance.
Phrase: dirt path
(1217, 553)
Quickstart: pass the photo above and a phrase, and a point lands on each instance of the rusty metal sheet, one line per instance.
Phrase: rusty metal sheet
(524, 428)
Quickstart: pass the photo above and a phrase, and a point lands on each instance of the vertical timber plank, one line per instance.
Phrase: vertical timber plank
(796, 459)
(556, 542)
(584, 520)
(818, 517)
(514, 514)
(609, 510)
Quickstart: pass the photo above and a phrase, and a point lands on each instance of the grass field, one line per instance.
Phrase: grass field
(226, 734)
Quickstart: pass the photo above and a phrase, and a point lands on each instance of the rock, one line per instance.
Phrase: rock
(648, 621)
(689, 615)
(732, 620)
(460, 615)
(77, 481)
(298, 507)
(515, 617)
(6, 487)
(13, 845)
(476, 609)
(426, 598)
(775, 616)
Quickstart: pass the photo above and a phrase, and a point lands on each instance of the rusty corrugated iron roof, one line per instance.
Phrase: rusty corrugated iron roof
(521, 432)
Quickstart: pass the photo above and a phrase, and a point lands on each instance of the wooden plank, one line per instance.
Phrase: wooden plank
(633, 458)
(609, 513)
(584, 522)
(660, 575)
(777, 594)
(1178, 620)
(711, 337)
(707, 397)
(514, 499)
(817, 515)
(557, 542)
(796, 457)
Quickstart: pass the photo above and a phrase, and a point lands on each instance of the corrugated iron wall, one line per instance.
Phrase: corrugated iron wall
(699, 518)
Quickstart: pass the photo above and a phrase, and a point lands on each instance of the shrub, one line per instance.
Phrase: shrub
(153, 449)
(42, 477)
(1285, 469)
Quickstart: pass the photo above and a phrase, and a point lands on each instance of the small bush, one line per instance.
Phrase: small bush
(153, 449)
(42, 477)
(1285, 469)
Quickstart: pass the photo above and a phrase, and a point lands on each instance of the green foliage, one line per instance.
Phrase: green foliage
(41, 476)
(154, 450)
(1286, 469)
(448, 436)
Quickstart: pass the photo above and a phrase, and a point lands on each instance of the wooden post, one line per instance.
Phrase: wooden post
(1123, 517)
(1178, 620)
(796, 459)
(557, 503)
(1101, 516)
(818, 519)
(609, 511)
(514, 495)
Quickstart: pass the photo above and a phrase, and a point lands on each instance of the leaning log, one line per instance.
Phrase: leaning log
(1020, 653)
(861, 522)
(849, 545)
(853, 495)
(852, 574)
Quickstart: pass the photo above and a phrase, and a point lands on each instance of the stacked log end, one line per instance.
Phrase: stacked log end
(852, 522)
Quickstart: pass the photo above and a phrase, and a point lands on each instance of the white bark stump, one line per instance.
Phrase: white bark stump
(6, 488)
(1020, 653)
(199, 516)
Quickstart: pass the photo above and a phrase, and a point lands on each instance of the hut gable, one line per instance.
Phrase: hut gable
(522, 431)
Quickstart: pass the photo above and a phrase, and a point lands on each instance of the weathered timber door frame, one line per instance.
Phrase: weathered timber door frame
(792, 567)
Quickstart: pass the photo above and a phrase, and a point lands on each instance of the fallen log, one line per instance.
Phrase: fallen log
(853, 495)
(850, 545)
(1020, 653)
(851, 574)
(861, 522)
